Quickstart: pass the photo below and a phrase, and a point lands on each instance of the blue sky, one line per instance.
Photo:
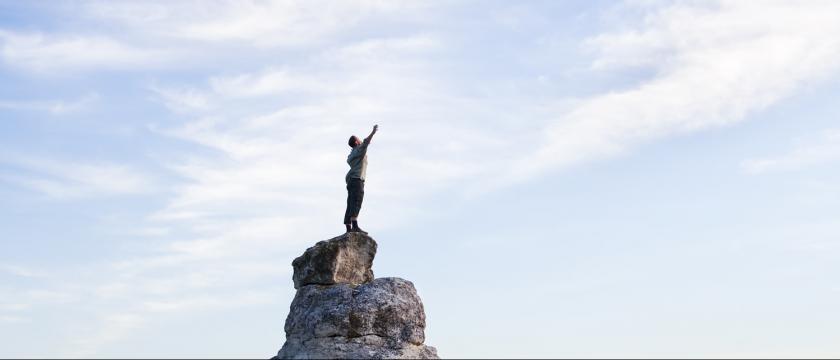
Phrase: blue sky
(558, 179)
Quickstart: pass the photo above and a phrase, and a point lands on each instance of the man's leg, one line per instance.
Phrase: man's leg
(360, 195)
(348, 212)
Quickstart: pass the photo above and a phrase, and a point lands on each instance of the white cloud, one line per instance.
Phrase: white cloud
(311, 79)
(67, 180)
(21, 271)
(184, 99)
(808, 152)
(260, 23)
(57, 107)
(379, 51)
(25, 298)
(212, 302)
(714, 64)
(49, 296)
(57, 54)
(153, 35)
(268, 82)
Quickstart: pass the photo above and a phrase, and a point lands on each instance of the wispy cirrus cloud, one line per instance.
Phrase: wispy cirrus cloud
(712, 64)
(821, 149)
(21, 271)
(263, 24)
(153, 35)
(55, 107)
(70, 180)
(182, 99)
(270, 81)
(61, 54)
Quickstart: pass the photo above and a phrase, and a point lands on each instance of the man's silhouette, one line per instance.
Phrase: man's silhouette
(355, 180)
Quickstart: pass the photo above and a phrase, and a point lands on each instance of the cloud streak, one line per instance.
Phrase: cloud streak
(21, 271)
(58, 107)
(263, 24)
(713, 63)
(806, 153)
(60, 54)
(73, 180)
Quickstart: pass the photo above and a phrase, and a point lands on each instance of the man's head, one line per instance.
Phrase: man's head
(354, 141)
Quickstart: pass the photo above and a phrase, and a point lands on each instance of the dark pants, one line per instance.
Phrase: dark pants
(355, 194)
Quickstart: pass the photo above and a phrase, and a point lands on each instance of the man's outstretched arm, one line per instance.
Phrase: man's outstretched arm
(370, 137)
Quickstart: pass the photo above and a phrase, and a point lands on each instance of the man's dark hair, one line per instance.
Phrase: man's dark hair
(352, 141)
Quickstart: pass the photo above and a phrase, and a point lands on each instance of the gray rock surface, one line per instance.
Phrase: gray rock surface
(344, 259)
(389, 308)
(380, 319)
(365, 347)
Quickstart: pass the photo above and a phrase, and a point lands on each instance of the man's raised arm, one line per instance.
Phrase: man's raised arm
(370, 137)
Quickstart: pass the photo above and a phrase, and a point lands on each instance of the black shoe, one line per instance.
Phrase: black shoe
(358, 230)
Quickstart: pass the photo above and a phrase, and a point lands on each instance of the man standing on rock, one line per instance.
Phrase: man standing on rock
(355, 180)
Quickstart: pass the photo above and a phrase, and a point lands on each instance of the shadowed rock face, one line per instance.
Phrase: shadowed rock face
(344, 259)
(351, 315)
(365, 347)
(389, 308)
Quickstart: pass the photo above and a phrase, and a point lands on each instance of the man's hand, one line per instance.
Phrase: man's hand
(367, 139)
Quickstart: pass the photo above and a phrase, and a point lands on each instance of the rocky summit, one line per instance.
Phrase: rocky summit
(341, 311)
(344, 259)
